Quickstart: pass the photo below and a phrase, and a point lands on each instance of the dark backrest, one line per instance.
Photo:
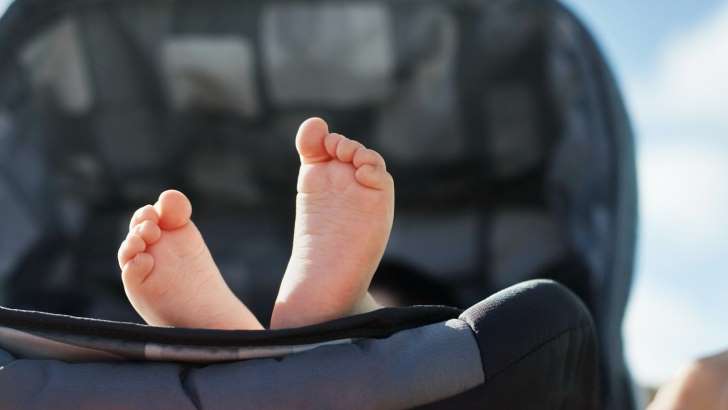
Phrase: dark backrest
(499, 119)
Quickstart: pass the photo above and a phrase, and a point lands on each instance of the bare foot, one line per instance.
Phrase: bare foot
(169, 275)
(344, 213)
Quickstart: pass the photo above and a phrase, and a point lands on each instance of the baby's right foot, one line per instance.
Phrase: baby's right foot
(344, 212)
(169, 275)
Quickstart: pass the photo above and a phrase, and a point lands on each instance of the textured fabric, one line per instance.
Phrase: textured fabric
(537, 309)
(20, 231)
(535, 337)
(539, 351)
(515, 229)
(5, 357)
(206, 74)
(380, 323)
(411, 367)
(331, 54)
(56, 63)
(49, 384)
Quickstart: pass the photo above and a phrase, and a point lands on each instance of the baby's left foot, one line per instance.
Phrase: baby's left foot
(169, 275)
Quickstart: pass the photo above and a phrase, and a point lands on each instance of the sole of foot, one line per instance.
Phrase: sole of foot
(169, 275)
(344, 215)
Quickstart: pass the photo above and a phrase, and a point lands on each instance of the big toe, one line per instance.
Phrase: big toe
(310, 141)
(174, 209)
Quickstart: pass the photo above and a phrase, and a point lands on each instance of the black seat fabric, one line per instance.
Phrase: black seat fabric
(536, 337)
(499, 120)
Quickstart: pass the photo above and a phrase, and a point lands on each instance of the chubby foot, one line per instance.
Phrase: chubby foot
(344, 214)
(169, 275)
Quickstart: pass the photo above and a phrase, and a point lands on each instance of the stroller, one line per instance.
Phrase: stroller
(499, 119)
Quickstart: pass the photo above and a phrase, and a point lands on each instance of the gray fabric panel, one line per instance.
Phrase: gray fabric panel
(582, 164)
(24, 344)
(19, 228)
(6, 129)
(519, 229)
(57, 65)
(5, 358)
(212, 73)
(446, 244)
(225, 173)
(212, 354)
(147, 22)
(335, 54)
(421, 121)
(48, 384)
(126, 127)
(241, 260)
(23, 162)
(515, 142)
(74, 348)
(579, 171)
(410, 368)
(507, 29)
(114, 69)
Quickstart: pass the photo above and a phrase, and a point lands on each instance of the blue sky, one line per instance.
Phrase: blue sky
(633, 31)
(671, 58)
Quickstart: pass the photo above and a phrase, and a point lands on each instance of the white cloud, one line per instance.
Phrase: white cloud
(690, 84)
(677, 311)
(695, 70)
(684, 190)
(665, 332)
(4, 5)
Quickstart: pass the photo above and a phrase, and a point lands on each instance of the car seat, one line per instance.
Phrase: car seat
(499, 120)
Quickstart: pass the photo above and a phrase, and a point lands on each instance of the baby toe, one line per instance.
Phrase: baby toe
(136, 270)
(331, 142)
(375, 177)
(145, 213)
(132, 246)
(148, 231)
(174, 210)
(346, 149)
(310, 141)
(368, 156)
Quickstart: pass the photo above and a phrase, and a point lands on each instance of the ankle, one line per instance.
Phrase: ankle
(365, 305)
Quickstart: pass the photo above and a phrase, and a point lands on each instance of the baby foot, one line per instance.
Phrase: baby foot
(344, 213)
(169, 275)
